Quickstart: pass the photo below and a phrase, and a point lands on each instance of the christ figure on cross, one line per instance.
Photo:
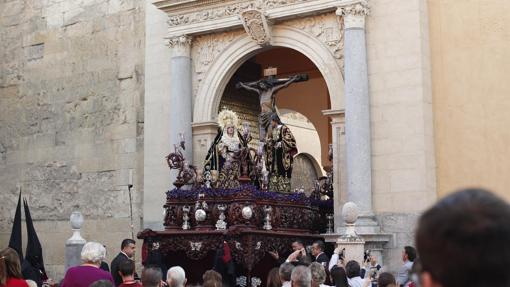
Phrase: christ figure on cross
(266, 89)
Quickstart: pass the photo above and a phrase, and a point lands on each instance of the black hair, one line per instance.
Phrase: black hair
(320, 243)
(127, 267)
(126, 242)
(299, 241)
(411, 252)
(472, 227)
(339, 277)
(352, 269)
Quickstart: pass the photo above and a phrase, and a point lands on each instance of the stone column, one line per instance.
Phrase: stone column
(339, 181)
(357, 108)
(181, 93)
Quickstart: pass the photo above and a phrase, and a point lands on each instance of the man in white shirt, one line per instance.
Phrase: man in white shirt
(408, 256)
(352, 270)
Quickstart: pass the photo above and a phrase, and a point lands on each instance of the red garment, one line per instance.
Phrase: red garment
(227, 256)
(15, 282)
(131, 284)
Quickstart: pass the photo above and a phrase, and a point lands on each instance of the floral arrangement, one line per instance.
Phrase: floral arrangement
(295, 197)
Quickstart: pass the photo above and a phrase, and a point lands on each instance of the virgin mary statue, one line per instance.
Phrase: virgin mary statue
(223, 155)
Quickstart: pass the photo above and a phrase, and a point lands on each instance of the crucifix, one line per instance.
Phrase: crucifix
(267, 88)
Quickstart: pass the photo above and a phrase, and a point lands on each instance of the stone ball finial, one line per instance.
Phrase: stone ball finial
(350, 212)
(76, 220)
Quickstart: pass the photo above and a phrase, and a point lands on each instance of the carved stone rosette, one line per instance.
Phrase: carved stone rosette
(354, 14)
(180, 46)
(255, 24)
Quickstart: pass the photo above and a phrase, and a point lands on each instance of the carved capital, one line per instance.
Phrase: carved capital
(354, 14)
(180, 46)
(255, 24)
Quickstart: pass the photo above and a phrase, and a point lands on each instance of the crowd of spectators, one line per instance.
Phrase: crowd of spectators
(461, 240)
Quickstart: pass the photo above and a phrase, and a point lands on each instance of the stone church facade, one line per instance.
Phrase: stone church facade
(94, 94)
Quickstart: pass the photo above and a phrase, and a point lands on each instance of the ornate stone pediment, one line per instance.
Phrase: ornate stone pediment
(192, 17)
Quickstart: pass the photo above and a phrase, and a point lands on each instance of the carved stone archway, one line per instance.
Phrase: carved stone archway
(233, 56)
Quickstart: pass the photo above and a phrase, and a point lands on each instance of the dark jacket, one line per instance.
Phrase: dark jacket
(322, 259)
(121, 257)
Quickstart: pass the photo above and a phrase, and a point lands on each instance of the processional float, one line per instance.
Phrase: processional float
(239, 205)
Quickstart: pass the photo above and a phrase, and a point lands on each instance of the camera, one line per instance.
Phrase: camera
(366, 256)
(341, 256)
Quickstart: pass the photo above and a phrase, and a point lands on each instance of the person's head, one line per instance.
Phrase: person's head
(471, 227)
(338, 276)
(128, 246)
(230, 130)
(264, 85)
(317, 247)
(101, 283)
(318, 274)
(285, 271)
(9, 265)
(301, 277)
(297, 245)
(127, 269)
(151, 277)
(273, 278)
(176, 277)
(352, 269)
(373, 260)
(211, 275)
(386, 279)
(408, 254)
(212, 283)
(31, 283)
(275, 120)
(93, 253)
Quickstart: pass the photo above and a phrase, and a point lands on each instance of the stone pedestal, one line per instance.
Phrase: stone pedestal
(354, 248)
(203, 136)
(74, 244)
(72, 254)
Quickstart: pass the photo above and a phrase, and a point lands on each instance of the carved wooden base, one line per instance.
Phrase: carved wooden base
(195, 250)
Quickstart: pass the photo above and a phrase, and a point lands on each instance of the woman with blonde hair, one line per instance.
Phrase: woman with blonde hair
(10, 269)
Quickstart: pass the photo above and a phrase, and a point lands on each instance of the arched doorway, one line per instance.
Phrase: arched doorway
(210, 92)
(240, 48)
(300, 105)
